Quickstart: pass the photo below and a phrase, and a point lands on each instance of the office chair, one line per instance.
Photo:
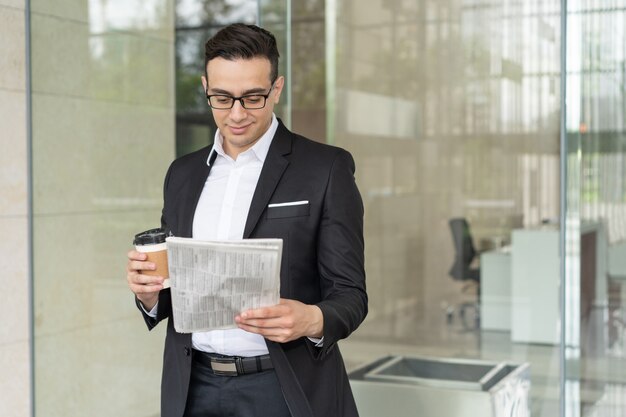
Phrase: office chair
(461, 270)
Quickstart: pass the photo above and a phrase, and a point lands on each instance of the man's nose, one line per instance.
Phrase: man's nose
(237, 112)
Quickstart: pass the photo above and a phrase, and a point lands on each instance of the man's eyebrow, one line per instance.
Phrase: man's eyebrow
(244, 93)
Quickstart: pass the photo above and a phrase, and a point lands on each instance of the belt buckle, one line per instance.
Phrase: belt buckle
(224, 366)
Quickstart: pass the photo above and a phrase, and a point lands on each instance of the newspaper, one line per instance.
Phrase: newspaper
(213, 281)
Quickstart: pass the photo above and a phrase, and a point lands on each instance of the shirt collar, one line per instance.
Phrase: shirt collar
(260, 148)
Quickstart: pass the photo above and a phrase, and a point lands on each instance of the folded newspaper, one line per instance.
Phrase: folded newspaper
(213, 281)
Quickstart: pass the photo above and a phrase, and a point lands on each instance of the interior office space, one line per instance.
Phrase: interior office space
(455, 113)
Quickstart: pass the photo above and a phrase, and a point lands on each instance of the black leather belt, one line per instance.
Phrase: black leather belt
(233, 365)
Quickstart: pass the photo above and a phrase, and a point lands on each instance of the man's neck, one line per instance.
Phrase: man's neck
(234, 152)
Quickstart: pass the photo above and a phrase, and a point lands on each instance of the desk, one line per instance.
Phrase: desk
(523, 286)
(617, 260)
(616, 290)
(495, 285)
(535, 271)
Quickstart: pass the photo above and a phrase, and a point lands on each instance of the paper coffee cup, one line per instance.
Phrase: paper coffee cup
(152, 243)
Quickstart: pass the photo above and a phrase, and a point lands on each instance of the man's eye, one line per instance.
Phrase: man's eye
(253, 99)
(222, 99)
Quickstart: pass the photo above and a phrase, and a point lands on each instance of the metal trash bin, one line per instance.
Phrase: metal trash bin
(399, 386)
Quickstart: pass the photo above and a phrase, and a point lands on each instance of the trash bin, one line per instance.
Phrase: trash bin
(399, 386)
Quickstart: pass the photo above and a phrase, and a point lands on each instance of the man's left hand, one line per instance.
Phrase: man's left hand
(284, 322)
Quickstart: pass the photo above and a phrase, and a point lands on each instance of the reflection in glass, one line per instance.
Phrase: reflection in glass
(127, 15)
(197, 21)
(451, 110)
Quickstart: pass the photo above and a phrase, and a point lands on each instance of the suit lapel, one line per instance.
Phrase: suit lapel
(273, 169)
(196, 182)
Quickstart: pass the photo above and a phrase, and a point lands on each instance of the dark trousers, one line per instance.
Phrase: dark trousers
(253, 395)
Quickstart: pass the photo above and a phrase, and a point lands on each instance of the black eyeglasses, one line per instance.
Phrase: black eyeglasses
(249, 102)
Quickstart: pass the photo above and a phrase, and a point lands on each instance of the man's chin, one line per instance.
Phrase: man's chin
(240, 143)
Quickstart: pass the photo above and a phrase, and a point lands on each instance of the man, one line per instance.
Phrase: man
(259, 180)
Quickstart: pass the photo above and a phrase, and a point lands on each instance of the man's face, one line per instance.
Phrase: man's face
(240, 127)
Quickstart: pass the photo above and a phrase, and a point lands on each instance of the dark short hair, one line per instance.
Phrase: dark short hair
(241, 41)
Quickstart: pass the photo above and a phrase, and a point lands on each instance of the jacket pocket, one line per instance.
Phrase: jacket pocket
(281, 210)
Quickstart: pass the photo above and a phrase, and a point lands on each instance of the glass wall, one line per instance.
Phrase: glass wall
(596, 212)
(103, 137)
(451, 109)
(196, 21)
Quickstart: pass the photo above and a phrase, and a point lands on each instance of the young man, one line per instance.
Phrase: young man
(259, 180)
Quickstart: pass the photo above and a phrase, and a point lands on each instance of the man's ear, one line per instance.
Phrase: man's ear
(205, 83)
(278, 88)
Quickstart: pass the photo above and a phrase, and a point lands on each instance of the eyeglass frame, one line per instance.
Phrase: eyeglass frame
(240, 99)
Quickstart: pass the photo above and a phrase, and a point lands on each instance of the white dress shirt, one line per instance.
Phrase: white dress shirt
(221, 214)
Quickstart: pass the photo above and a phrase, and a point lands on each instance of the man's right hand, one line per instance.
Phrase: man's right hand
(145, 287)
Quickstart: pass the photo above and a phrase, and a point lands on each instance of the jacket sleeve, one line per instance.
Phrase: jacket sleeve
(341, 254)
(164, 308)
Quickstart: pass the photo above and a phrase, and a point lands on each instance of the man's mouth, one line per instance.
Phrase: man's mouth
(237, 130)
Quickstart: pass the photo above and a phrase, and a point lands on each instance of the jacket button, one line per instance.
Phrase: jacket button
(187, 351)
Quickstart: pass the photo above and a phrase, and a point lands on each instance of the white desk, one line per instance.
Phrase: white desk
(495, 285)
(535, 273)
(617, 260)
(520, 290)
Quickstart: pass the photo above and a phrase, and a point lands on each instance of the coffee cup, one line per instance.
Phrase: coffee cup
(152, 243)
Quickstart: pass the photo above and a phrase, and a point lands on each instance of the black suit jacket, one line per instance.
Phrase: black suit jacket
(322, 264)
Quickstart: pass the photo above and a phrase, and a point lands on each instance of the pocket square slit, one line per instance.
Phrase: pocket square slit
(290, 203)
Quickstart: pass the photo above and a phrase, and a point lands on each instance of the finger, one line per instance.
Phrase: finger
(140, 266)
(264, 312)
(258, 323)
(139, 279)
(263, 331)
(137, 256)
(145, 289)
(275, 335)
(286, 322)
(280, 339)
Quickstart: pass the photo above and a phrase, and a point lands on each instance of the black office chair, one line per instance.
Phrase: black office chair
(462, 271)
